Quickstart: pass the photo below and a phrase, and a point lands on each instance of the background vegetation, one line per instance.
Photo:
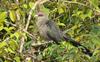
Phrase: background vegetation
(19, 38)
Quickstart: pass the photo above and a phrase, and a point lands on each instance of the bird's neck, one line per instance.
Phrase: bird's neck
(42, 22)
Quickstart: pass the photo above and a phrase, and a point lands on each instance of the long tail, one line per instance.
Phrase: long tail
(77, 44)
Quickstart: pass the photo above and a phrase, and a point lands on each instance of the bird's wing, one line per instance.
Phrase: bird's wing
(53, 31)
(55, 34)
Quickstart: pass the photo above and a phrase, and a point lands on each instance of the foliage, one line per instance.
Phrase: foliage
(78, 18)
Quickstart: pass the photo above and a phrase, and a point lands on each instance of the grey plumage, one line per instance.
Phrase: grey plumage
(48, 29)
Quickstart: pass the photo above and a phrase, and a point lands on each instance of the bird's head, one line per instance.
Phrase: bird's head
(40, 16)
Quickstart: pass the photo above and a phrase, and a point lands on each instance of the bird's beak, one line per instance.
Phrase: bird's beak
(35, 16)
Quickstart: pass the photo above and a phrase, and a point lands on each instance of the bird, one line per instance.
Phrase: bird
(50, 31)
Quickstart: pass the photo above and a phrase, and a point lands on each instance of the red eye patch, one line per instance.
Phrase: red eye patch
(40, 14)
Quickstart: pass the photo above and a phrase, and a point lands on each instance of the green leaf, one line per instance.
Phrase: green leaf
(0, 52)
(31, 4)
(61, 24)
(95, 3)
(96, 52)
(95, 40)
(11, 28)
(77, 13)
(17, 59)
(12, 15)
(10, 50)
(3, 44)
(25, 6)
(1, 28)
(17, 34)
(60, 10)
(89, 14)
(8, 29)
(13, 44)
(6, 60)
(6, 50)
(3, 15)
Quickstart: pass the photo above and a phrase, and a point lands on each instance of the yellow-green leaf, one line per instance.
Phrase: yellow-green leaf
(17, 34)
(2, 44)
(31, 4)
(95, 3)
(3, 15)
(17, 59)
(1, 27)
(61, 24)
(60, 10)
(13, 44)
(12, 16)
(25, 6)
(6, 28)
(10, 50)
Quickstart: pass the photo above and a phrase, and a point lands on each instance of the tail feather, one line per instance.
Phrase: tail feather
(77, 44)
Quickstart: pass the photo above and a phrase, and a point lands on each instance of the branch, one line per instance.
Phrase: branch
(40, 45)
(28, 21)
(32, 36)
(76, 3)
(30, 13)
(10, 23)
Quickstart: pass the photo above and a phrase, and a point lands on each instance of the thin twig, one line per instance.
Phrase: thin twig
(22, 39)
(41, 44)
(7, 39)
(76, 3)
(10, 23)
(33, 36)
(21, 44)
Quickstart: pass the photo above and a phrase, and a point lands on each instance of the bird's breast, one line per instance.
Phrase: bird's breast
(43, 29)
